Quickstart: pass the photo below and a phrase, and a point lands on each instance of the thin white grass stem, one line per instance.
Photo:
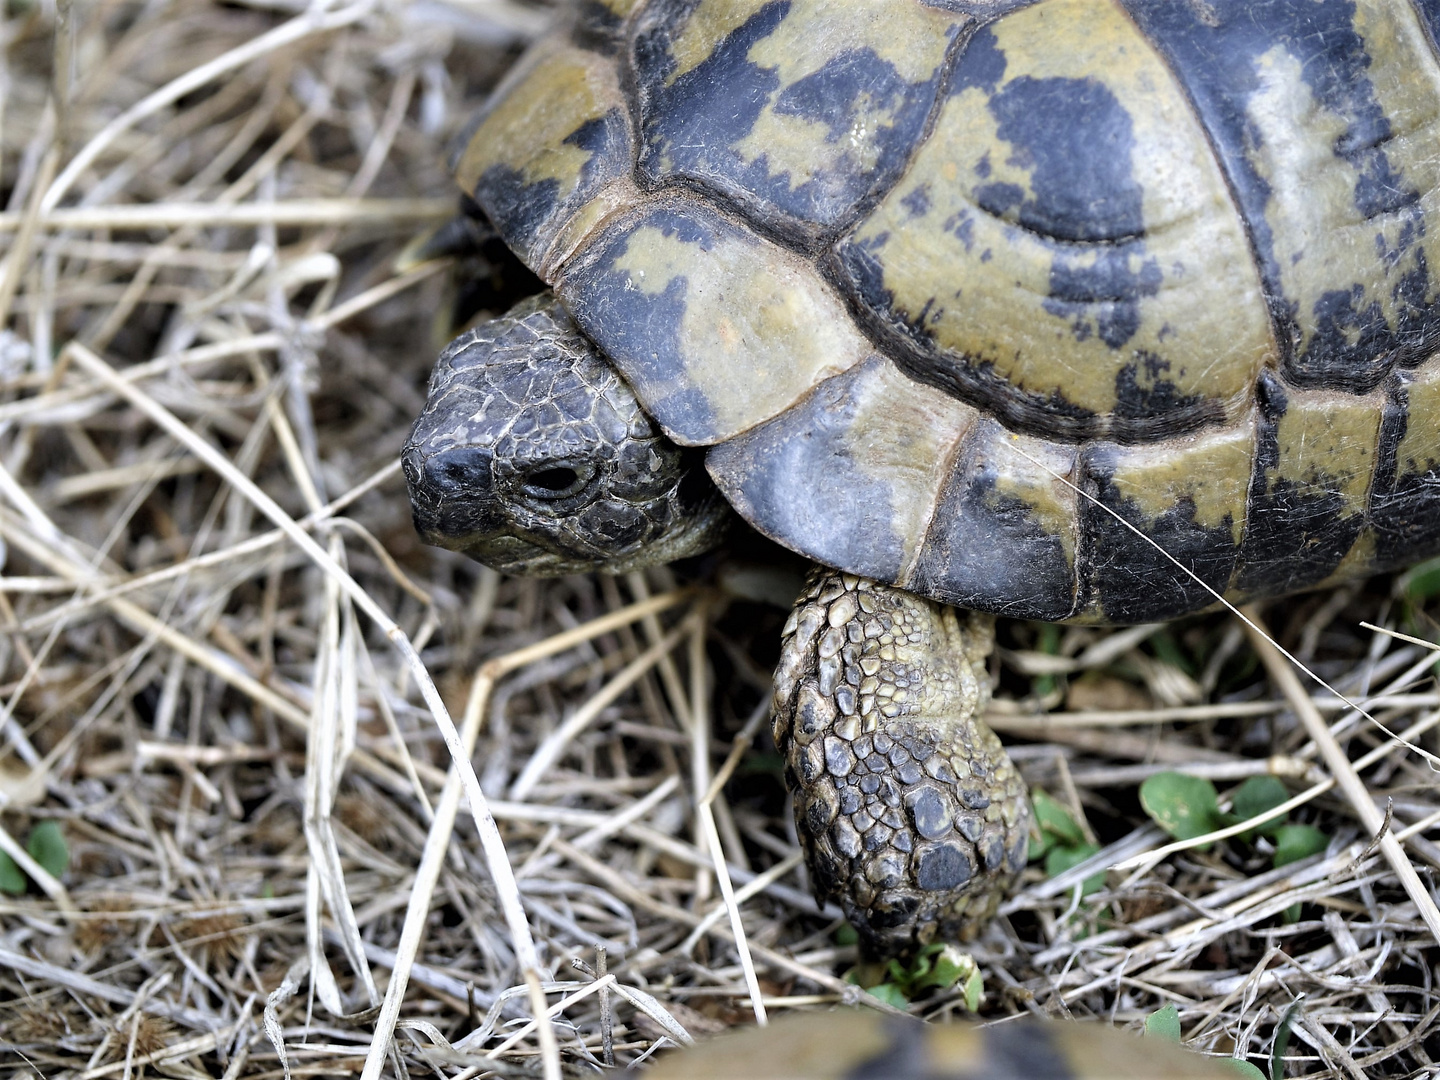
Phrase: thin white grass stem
(553, 1011)
(1429, 821)
(1184, 714)
(177, 215)
(437, 841)
(755, 886)
(1429, 645)
(632, 813)
(705, 814)
(549, 751)
(314, 21)
(1342, 770)
(507, 893)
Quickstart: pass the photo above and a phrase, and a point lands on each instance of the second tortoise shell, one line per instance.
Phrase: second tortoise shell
(1013, 305)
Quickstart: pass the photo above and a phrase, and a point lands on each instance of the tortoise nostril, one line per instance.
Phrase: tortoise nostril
(556, 481)
(461, 472)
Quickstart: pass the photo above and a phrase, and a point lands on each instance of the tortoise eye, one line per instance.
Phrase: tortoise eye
(557, 481)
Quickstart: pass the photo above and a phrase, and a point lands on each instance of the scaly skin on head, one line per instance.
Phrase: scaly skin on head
(909, 810)
(533, 456)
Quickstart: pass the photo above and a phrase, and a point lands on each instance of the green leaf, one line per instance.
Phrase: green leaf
(847, 935)
(1257, 795)
(1164, 1024)
(890, 994)
(1282, 1038)
(1184, 806)
(1422, 582)
(1296, 842)
(1061, 859)
(12, 879)
(937, 965)
(1167, 650)
(974, 985)
(48, 848)
(1054, 819)
(1241, 1068)
(1048, 642)
(1040, 843)
(948, 965)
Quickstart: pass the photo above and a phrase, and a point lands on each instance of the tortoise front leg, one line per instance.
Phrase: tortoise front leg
(910, 812)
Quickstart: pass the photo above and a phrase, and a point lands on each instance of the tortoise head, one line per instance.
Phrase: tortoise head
(533, 456)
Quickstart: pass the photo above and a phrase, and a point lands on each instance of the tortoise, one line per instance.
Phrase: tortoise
(1068, 310)
(861, 1043)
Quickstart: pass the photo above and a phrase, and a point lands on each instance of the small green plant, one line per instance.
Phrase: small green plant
(1165, 1024)
(1420, 583)
(936, 966)
(46, 845)
(1189, 806)
(1184, 806)
(1061, 843)
(1048, 642)
(12, 878)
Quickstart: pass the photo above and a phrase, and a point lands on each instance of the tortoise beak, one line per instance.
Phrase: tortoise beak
(452, 495)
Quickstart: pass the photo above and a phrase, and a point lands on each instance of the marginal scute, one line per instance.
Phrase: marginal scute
(1003, 536)
(1404, 509)
(1316, 454)
(851, 474)
(715, 328)
(1063, 249)
(795, 109)
(1326, 117)
(557, 132)
(1157, 505)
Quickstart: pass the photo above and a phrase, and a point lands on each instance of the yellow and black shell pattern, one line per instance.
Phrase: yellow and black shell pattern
(1071, 309)
(860, 1044)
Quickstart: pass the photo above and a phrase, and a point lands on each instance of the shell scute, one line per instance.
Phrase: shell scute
(851, 473)
(1063, 249)
(1315, 456)
(795, 109)
(1404, 509)
(1325, 117)
(1003, 534)
(715, 328)
(1164, 512)
(557, 133)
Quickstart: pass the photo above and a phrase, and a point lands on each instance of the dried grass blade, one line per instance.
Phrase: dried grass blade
(1342, 770)
(705, 814)
(317, 20)
(554, 745)
(502, 875)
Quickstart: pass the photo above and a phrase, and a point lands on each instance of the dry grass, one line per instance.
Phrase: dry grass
(220, 634)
